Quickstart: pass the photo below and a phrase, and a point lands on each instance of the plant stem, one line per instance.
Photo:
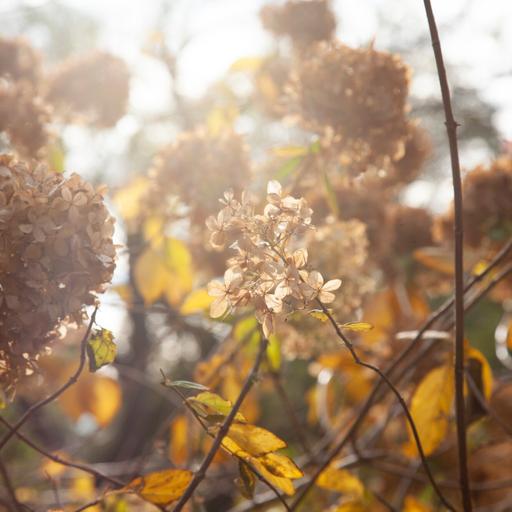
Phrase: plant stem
(451, 130)
(72, 380)
(201, 472)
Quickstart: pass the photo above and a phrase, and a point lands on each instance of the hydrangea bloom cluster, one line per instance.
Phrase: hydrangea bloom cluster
(269, 271)
(56, 253)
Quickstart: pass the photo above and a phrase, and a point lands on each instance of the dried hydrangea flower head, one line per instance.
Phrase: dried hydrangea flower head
(18, 60)
(56, 253)
(94, 87)
(24, 118)
(303, 21)
(355, 97)
(197, 168)
(340, 248)
(487, 206)
(269, 270)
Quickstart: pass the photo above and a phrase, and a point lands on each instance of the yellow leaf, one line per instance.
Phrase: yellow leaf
(211, 406)
(255, 440)
(486, 379)
(179, 275)
(285, 484)
(435, 258)
(280, 465)
(319, 315)
(101, 349)
(151, 276)
(247, 64)
(357, 326)
(153, 230)
(349, 506)
(411, 504)
(178, 440)
(196, 302)
(274, 352)
(430, 408)
(125, 292)
(221, 118)
(161, 487)
(342, 481)
(94, 394)
(128, 199)
(246, 329)
(291, 151)
(246, 481)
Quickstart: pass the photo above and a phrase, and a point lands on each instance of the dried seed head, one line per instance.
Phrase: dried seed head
(303, 21)
(56, 253)
(18, 60)
(93, 87)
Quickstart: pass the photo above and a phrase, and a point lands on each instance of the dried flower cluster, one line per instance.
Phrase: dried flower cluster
(198, 167)
(94, 86)
(18, 60)
(267, 272)
(487, 204)
(303, 21)
(24, 118)
(354, 97)
(56, 252)
(340, 248)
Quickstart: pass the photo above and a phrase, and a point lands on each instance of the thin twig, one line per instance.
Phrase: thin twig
(72, 380)
(16, 505)
(399, 397)
(59, 460)
(201, 472)
(451, 130)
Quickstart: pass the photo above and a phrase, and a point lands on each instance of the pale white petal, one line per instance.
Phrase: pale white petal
(331, 285)
(326, 297)
(218, 307)
(315, 280)
(216, 289)
(274, 304)
(300, 258)
(274, 188)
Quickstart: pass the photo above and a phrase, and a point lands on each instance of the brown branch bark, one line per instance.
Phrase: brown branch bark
(72, 380)
(201, 472)
(451, 130)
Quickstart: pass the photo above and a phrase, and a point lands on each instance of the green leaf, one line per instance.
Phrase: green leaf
(287, 168)
(185, 384)
(101, 349)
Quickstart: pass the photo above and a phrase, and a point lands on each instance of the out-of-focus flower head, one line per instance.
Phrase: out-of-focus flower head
(487, 207)
(93, 87)
(355, 98)
(24, 117)
(18, 60)
(269, 271)
(56, 253)
(197, 168)
(340, 248)
(303, 21)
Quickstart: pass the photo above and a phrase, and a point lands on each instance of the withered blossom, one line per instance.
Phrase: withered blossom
(197, 168)
(56, 254)
(355, 97)
(18, 60)
(268, 272)
(487, 206)
(303, 21)
(24, 117)
(93, 87)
